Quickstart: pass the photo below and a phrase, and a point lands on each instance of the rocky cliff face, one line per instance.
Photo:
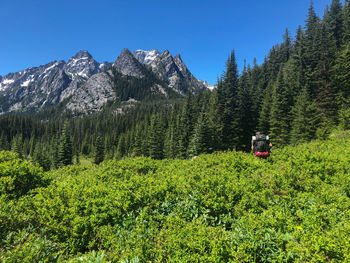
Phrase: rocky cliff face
(86, 85)
(93, 95)
(127, 64)
(170, 69)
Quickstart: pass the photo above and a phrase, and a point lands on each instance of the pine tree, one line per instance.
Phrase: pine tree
(280, 113)
(346, 22)
(201, 140)
(4, 144)
(156, 139)
(341, 76)
(227, 93)
(41, 156)
(55, 151)
(17, 146)
(137, 146)
(244, 110)
(121, 148)
(312, 52)
(335, 22)
(186, 126)
(256, 91)
(326, 91)
(344, 114)
(305, 119)
(99, 150)
(65, 150)
(215, 119)
(286, 47)
(265, 113)
(171, 146)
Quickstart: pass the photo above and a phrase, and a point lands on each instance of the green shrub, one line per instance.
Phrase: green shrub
(221, 207)
(17, 177)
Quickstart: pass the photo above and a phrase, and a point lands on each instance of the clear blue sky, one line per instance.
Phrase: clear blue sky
(36, 32)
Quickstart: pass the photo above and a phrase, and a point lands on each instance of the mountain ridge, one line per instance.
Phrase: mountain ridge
(37, 88)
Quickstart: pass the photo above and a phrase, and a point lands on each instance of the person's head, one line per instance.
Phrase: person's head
(257, 133)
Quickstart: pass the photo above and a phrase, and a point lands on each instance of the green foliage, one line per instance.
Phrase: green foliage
(17, 177)
(29, 247)
(221, 207)
(91, 257)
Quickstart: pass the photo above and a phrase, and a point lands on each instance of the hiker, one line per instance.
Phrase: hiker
(261, 145)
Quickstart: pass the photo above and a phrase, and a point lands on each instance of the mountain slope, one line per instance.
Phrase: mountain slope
(39, 87)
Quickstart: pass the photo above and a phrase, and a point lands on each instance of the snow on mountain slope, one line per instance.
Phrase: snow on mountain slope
(146, 57)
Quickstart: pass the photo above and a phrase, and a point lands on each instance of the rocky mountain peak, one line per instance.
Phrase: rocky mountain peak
(146, 57)
(165, 53)
(126, 52)
(82, 64)
(127, 64)
(82, 54)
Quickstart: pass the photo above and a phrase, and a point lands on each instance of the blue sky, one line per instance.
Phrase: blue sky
(36, 32)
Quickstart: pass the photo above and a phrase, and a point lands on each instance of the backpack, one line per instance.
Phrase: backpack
(260, 143)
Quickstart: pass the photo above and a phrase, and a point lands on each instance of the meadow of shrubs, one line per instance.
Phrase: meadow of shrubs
(221, 207)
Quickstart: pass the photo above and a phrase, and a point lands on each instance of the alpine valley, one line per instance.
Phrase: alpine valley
(138, 161)
(83, 86)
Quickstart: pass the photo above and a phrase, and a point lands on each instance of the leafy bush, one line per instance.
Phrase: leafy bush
(17, 177)
(222, 207)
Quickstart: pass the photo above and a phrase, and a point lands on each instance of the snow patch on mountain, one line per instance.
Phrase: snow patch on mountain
(146, 57)
(82, 64)
(206, 84)
(26, 83)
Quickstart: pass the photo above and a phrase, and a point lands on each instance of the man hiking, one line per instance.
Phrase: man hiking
(261, 145)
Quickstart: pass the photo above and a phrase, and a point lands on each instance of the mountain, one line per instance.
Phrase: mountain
(127, 64)
(47, 85)
(82, 64)
(146, 57)
(34, 87)
(127, 79)
(170, 69)
(85, 85)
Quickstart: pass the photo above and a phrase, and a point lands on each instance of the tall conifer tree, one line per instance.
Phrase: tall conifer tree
(227, 92)
(65, 150)
(156, 139)
(99, 150)
(280, 113)
(305, 118)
